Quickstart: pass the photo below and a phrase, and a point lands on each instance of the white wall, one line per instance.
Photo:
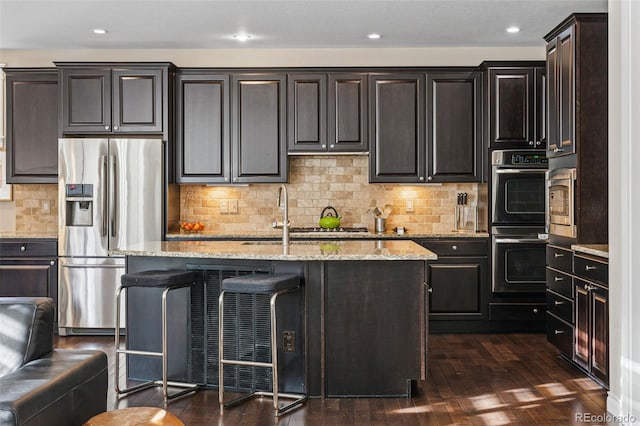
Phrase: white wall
(460, 56)
(624, 200)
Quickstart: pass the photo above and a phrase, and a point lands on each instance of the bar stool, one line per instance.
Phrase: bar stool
(276, 285)
(167, 280)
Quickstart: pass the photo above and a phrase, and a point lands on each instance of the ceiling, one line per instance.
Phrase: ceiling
(210, 24)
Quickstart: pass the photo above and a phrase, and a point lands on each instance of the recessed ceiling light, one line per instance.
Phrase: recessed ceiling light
(374, 36)
(99, 31)
(513, 30)
(242, 37)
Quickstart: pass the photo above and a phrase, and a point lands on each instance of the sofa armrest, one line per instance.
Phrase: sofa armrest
(65, 387)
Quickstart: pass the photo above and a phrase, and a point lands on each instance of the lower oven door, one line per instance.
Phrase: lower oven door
(518, 264)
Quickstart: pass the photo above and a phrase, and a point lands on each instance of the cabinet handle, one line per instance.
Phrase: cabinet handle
(430, 178)
(535, 310)
(531, 143)
(53, 262)
(115, 127)
(454, 247)
(226, 179)
(421, 178)
(332, 146)
(23, 248)
(430, 289)
(587, 287)
(590, 268)
(538, 143)
(558, 302)
(556, 255)
(556, 279)
(558, 331)
(558, 150)
(324, 145)
(106, 127)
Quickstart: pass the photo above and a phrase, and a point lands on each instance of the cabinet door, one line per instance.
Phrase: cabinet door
(32, 127)
(582, 324)
(458, 287)
(307, 112)
(29, 278)
(347, 113)
(397, 122)
(600, 333)
(540, 100)
(202, 129)
(566, 98)
(552, 98)
(454, 127)
(511, 109)
(258, 118)
(86, 101)
(137, 100)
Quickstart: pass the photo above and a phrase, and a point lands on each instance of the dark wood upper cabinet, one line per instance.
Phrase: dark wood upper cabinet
(347, 113)
(99, 99)
(397, 128)
(32, 125)
(327, 112)
(307, 112)
(137, 100)
(454, 127)
(258, 120)
(203, 128)
(515, 104)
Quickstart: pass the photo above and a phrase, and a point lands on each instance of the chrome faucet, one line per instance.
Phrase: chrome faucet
(283, 202)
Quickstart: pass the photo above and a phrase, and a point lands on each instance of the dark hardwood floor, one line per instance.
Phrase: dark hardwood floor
(473, 379)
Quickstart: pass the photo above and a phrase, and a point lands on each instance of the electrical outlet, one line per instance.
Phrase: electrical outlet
(224, 206)
(408, 208)
(233, 206)
(289, 341)
(46, 206)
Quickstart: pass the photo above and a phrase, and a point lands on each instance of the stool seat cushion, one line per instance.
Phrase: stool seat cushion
(157, 279)
(261, 283)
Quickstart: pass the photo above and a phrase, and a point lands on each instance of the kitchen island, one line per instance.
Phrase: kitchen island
(363, 322)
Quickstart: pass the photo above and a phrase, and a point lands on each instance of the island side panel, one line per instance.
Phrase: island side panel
(375, 322)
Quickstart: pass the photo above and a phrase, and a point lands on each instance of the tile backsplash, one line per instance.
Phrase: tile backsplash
(319, 181)
(29, 213)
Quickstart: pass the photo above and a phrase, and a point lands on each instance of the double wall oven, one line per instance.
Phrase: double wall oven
(518, 246)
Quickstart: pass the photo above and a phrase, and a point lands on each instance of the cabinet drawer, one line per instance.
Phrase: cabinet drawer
(560, 282)
(516, 311)
(559, 258)
(591, 269)
(457, 247)
(560, 334)
(28, 248)
(560, 306)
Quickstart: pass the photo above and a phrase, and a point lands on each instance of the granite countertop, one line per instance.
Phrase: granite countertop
(27, 235)
(324, 235)
(601, 250)
(312, 250)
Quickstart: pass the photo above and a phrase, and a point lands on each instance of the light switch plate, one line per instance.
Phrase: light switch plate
(233, 206)
(223, 206)
(409, 206)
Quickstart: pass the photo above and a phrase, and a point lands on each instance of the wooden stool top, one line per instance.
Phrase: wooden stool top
(135, 416)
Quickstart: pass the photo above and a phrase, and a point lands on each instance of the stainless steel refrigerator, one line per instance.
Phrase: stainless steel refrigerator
(110, 196)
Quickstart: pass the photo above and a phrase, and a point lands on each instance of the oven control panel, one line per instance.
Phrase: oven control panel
(519, 158)
(529, 159)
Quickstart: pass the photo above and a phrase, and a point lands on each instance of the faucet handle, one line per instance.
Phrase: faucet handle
(279, 225)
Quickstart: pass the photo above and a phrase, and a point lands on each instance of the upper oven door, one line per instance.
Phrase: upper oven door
(518, 196)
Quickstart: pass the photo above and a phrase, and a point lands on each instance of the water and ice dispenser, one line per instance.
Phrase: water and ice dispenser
(79, 204)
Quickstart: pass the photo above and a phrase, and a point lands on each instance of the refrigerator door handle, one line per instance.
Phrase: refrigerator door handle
(113, 182)
(89, 266)
(103, 174)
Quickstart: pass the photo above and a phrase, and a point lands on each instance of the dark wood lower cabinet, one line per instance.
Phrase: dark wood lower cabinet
(591, 349)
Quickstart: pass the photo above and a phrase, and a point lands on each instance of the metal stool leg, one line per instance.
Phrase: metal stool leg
(164, 382)
(275, 394)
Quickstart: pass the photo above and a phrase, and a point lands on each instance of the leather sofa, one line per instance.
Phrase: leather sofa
(39, 385)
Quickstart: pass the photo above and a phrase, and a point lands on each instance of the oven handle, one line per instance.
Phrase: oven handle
(520, 240)
(500, 171)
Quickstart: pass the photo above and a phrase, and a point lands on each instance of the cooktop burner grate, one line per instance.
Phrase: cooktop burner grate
(328, 231)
